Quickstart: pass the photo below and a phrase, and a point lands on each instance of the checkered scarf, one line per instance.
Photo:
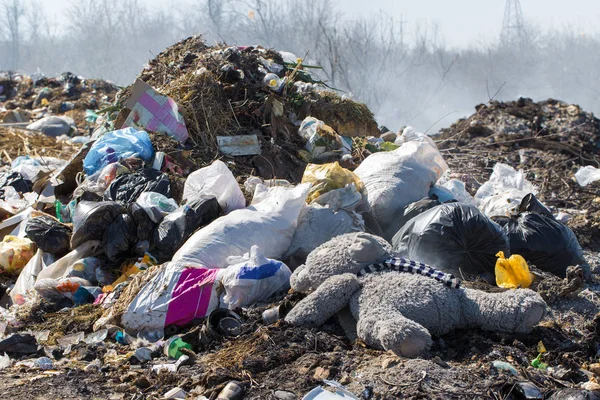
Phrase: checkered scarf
(413, 267)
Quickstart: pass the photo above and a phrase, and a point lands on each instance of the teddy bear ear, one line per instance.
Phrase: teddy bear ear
(366, 248)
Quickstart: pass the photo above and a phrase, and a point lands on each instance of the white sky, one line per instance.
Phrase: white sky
(461, 22)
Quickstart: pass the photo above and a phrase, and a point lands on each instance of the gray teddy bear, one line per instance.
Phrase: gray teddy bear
(399, 311)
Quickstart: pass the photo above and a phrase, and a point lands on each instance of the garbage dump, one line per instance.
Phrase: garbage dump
(229, 226)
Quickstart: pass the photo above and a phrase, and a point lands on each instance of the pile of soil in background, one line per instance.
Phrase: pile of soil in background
(549, 140)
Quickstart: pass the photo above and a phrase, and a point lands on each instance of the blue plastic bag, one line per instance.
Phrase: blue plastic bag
(253, 278)
(115, 146)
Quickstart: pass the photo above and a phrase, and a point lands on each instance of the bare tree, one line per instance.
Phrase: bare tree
(14, 11)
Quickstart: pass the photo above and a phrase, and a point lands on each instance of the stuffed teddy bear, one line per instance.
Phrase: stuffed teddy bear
(399, 311)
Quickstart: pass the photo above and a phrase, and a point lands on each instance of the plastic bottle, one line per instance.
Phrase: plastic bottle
(273, 82)
(174, 345)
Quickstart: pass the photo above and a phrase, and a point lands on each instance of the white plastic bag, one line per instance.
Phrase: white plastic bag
(215, 180)
(252, 278)
(503, 192)
(27, 278)
(176, 295)
(269, 223)
(587, 175)
(60, 268)
(397, 178)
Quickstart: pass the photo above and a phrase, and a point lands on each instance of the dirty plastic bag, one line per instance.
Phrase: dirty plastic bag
(215, 180)
(91, 220)
(165, 300)
(327, 177)
(119, 238)
(503, 192)
(397, 178)
(269, 223)
(178, 226)
(115, 146)
(253, 278)
(128, 187)
(156, 205)
(543, 241)
(512, 272)
(19, 294)
(49, 234)
(100, 181)
(455, 238)
(330, 215)
(15, 253)
(587, 175)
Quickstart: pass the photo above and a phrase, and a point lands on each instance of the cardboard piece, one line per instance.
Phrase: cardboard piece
(154, 112)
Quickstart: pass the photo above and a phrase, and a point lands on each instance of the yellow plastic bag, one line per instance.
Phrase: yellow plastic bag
(15, 253)
(513, 272)
(327, 177)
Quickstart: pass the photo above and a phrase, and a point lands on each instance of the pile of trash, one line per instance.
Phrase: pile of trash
(549, 140)
(65, 105)
(249, 102)
(232, 229)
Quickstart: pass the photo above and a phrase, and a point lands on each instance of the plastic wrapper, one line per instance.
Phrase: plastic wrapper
(128, 187)
(91, 220)
(15, 253)
(49, 234)
(253, 278)
(327, 177)
(455, 238)
(218, 181)
(178, 226)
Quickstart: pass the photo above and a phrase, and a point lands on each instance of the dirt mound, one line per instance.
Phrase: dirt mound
(222, 91)
(549, 140)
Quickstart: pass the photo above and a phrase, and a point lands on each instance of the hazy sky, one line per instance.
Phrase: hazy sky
(460, 22)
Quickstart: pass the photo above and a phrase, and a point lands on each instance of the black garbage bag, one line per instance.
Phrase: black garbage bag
(145, 226)
(91, 220)
(127, 187)
(17, 181)
(49, 234)
(119, 238)
(407, 213)
(455, 238)
(178, 226)
(542, 240)
(532, 204)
